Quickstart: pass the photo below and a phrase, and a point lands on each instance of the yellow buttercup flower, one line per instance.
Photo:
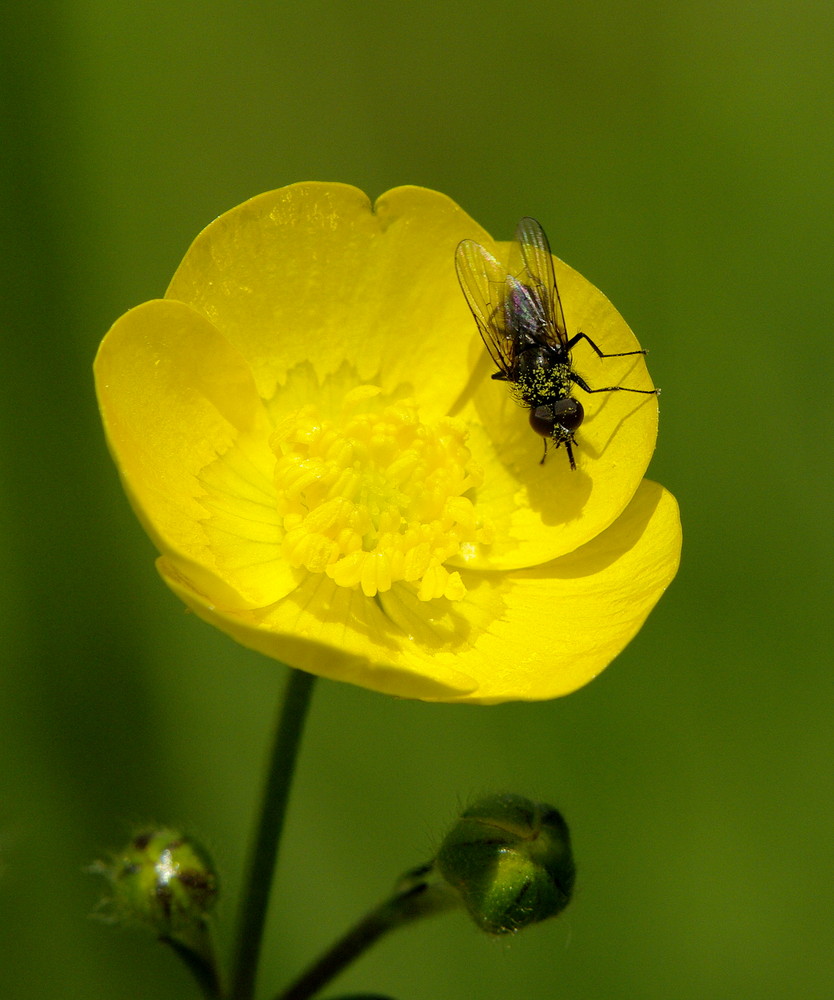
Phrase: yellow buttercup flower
(306, 427)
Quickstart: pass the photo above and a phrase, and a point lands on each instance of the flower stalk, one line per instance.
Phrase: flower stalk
(258, 882)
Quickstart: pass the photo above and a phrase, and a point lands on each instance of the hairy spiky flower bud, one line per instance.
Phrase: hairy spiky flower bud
(163, 879)
(510, 860)
(167, 882)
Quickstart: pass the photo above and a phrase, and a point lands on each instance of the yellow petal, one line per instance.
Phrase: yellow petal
(543, 632)
(541, 511)
(334, 632)
(190, 438)
(529, 635)
(315, 273)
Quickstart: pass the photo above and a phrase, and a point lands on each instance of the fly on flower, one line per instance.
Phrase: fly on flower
(521, 321)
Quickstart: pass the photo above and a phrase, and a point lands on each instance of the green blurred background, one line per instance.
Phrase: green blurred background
(680, 156)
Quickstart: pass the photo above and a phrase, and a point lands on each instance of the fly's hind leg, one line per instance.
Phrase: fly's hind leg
(612, 388)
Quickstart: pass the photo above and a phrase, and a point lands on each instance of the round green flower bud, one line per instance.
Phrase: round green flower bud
(167, 882)
(163, 879)
(511, 862)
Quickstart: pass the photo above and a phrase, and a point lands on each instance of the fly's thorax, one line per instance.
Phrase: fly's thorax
(541, 377)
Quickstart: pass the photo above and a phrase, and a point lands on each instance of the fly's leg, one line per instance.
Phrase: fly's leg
(584, 336)
(612, 388)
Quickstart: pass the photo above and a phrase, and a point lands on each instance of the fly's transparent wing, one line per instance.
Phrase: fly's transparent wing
(536, 271)
(484, 284)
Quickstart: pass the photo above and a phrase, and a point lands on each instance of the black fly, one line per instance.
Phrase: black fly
(520, 319)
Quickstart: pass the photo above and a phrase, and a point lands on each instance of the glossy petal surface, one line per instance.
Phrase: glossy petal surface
(307, 429)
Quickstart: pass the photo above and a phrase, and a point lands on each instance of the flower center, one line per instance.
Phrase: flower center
(377, 496)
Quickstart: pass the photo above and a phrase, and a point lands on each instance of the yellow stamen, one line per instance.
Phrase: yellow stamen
(377, 497)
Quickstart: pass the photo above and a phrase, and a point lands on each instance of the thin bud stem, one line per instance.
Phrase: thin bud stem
(416, 899)
(203, 967)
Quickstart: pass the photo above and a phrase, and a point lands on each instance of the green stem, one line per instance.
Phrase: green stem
(257, 885)
(414, 900)
(202, 963)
